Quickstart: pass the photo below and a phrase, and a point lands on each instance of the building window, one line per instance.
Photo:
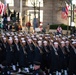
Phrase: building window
(30, 3)
(10, 2)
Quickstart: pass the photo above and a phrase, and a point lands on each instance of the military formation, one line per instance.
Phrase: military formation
(37, 54)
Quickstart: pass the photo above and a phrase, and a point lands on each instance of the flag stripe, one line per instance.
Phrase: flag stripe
(65, 10)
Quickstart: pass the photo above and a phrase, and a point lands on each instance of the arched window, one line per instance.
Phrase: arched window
(10, 2)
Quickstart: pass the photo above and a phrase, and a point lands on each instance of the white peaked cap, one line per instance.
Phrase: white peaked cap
(72, 39)
(73, 42)
(46, 37)
(40, 38)
(55, 42)
(37, 35)
(16, 38)
(4, 38)
(62, 42)
(63, 38)
(72, 34)
(29, 40)
(8, 34)
(57, 35)
(39, 42)
(12, 33)
(53, 36)
(10, 39)
(45, 42)
(51, 40)
(67, 42)
(19, 35)
(69, 36)
(22, 38)
(34, 39)
(23, 41)
(32, 36)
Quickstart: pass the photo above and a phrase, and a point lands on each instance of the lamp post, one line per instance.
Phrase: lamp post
(39, 11)
(21, 12)
(73, 3)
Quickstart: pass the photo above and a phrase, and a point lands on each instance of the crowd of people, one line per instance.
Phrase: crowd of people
(45, 54)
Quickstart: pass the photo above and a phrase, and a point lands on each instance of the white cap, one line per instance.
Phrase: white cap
(72, 34)
(46, 37)
(39, 42)
(73, 42)
(62, 42)
(29, 40)
(23, 41)
(45, 42)
(37, 35)
(72, 39)
(51, 40)
(7, 34)
(16, 38)
(19, 35)
(67, 42)
(69, 36)
(4, 38)
(34, 39)
(57, 35)
(32, 36)
(22, 38)
(60, 35)
(63, 38)
(55, 42)
(10, 39)
(53, 36)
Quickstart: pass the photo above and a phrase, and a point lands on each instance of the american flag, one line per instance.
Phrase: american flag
(65, 11)
(1, 8)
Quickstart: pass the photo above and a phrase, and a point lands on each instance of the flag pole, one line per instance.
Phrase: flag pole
(21, 12)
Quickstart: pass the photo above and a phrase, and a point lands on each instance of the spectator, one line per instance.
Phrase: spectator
(59, 30)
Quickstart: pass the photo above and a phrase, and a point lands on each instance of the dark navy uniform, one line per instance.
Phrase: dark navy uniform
(1, 53)
(30, 53)
(4, 51)
(16, 53)
(56, 60)
(22, 56)
(72, 62)
(47, 56)
(39, 56)
(9, 54)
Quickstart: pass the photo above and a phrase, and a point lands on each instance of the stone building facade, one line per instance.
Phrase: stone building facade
(50, 11)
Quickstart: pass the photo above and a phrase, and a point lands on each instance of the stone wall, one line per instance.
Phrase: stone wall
(51, 11)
